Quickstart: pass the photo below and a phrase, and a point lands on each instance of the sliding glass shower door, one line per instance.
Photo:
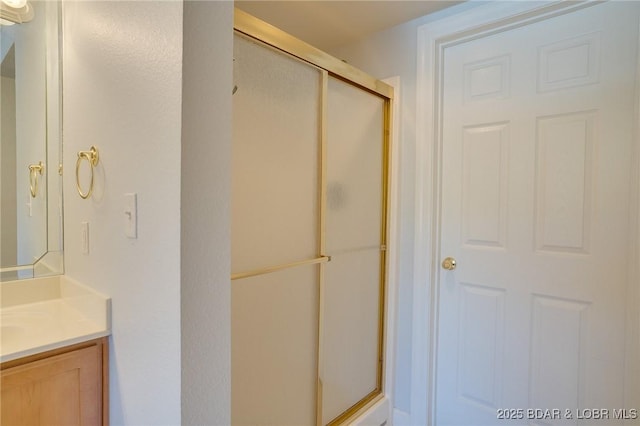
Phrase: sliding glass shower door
(275, 215)
(309, 179)
(352, 288)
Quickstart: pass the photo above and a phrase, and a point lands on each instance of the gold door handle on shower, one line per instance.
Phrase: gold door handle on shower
(449, 264)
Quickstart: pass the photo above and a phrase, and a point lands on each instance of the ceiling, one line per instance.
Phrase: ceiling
(326, 24)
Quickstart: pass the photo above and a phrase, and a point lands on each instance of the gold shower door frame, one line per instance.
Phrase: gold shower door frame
(265, 33)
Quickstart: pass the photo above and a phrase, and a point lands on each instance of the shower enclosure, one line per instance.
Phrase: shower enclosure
(309, 229)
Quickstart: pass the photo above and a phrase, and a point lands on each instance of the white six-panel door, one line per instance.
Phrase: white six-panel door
(538, 131)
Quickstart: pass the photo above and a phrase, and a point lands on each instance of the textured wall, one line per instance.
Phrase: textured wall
(205, 221)
(122, 93)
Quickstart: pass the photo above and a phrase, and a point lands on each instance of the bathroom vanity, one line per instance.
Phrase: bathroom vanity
(54, 353)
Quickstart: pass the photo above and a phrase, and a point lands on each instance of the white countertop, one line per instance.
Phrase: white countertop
(49, 313)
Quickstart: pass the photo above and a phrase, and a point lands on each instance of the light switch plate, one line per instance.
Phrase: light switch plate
(131, 215)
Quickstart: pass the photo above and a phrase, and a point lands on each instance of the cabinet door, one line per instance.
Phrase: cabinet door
(63, 390)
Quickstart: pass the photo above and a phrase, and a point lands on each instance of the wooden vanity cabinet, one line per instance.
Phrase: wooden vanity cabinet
(66, 386)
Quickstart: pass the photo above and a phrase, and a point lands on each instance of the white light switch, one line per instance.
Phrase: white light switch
(84, 236)
(131, 215)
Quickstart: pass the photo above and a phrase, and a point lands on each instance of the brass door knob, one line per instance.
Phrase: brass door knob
(449, 264)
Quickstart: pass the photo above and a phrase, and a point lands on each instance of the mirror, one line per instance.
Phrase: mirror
(30, 140)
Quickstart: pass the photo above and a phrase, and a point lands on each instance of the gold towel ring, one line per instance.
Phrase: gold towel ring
(34, 169)
(92, 157)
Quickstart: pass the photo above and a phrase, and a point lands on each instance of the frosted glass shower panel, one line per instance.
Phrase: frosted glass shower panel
(355, 146)
(352, 287)
(351, 331)
(276, 138)
(274, 324)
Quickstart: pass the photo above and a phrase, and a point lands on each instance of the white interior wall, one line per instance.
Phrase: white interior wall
(393, 52)
(122, 93)
(205, 220)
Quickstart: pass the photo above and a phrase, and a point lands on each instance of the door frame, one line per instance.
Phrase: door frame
(433, 39)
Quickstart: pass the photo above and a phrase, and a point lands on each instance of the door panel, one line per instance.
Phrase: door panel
(564, 172)
(537, 140)
(484, 174)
